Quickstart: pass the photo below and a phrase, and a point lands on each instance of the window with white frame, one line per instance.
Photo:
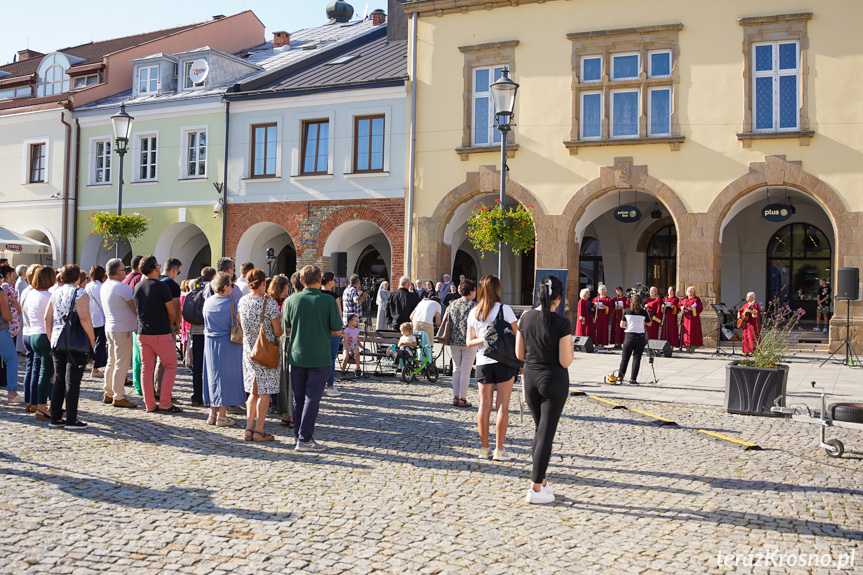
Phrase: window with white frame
(484, 131)
(188, 84)
(84, 81)
(625, 85)
(195, 154)
(102, 161)
(148, 79)
(146, 151)
(775, 86)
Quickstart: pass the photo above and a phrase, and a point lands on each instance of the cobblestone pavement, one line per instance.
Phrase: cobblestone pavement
(401, 490)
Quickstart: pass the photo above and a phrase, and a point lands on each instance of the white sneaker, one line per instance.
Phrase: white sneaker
(332, 392)
(485, 453)
(825, 329)
(502, 455)
(548, 489)
(17, 399)
(539, 497)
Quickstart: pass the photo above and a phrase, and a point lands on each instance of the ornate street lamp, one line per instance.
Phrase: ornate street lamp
(503, 95)
(122, 123)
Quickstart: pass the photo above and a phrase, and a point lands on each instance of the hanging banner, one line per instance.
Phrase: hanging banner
(627, 214)
(776, 212)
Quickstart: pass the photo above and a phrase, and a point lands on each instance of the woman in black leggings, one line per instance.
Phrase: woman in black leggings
(635, 319)
(544, 343)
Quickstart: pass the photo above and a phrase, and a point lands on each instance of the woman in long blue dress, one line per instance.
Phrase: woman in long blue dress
(223, 359)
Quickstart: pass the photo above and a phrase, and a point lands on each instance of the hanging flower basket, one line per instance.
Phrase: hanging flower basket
(114, 227)
(510, 226)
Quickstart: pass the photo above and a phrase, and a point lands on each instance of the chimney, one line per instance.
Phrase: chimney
(397, 27)
(379, 17)
(27, 54)
(281, 38)
(219, 17)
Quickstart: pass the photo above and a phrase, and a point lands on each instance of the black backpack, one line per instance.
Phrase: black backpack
(500, 342)
(193, 305)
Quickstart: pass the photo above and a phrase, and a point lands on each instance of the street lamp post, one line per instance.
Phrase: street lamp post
(122, 123)
(503, 95)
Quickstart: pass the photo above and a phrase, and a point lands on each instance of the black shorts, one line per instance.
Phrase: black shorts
(495, 373)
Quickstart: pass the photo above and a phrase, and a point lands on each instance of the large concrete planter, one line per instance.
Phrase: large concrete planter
(753, 390)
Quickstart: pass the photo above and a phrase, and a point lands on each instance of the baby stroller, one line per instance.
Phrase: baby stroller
(421, 361)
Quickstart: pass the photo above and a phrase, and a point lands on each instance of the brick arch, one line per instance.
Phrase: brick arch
(244, 216)
(434, 254)
(391, 227)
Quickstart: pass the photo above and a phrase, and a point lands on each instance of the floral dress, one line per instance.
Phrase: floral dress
(250, 308)
(14, 325)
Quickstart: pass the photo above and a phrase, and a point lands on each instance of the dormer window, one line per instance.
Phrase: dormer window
(148, 79)
(84, 81)
(52, 75)
(190, 72)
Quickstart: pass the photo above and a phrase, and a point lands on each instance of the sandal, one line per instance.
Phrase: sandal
(211, 420)
(227, 422)
(463, 402)
(248, 435)
(173, 409)
(455, 402)
(42, 416)
(289, 423)
(263, 436)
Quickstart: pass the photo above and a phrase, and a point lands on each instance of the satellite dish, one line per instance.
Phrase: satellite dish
(198, 71)
(366, 11)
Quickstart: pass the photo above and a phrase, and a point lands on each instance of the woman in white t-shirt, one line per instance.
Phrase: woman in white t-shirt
(97, 314)
(635, 322)
(488, 371)
(426, 316)
(34, 303)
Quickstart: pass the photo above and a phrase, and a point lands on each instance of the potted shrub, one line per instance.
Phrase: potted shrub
(752, 385)
(511, 226)
(114, 227)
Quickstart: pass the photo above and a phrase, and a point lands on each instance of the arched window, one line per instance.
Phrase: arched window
(464, 265)
(52, 75)
(797, 255)
(590, 270)
(662, 259)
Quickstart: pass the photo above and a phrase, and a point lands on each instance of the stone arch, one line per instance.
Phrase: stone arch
(779, 172)
(647, 234)
(434, 254)
(623, 175)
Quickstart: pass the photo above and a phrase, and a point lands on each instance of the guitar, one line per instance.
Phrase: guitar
(743, 319)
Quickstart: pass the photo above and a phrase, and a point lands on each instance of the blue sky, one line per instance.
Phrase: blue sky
(55, 24)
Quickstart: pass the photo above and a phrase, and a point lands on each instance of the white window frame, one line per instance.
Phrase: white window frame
(184, 152)
(93, 144)
(601, 69)
(491, 115)
(611, 93)
(25, 175)
(186, 81)
(147, 68)
(650, 73)
(650, 132)
(136, 157)
(775, 73)
(86, 81)
(612, 57)
(581, 115)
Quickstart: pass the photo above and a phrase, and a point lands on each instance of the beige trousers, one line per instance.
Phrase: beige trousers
(119, 361)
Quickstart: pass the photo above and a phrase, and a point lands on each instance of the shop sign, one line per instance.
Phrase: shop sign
(776, 212)
(12, 248)
(627, 214)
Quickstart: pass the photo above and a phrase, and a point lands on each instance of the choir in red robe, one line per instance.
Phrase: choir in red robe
(618, 304)
(602, 312)
(584, 324)
(690, 326)
(670, 329)
(653, 305)
(752, 328)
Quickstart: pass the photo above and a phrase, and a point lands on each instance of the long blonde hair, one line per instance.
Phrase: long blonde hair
(487, 295)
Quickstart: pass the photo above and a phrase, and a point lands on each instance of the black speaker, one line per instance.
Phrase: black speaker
(583, 344)
(339, 264)
(847, 284)
(660, 346)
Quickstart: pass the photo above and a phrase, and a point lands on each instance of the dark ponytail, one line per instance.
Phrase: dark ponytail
(550, 288)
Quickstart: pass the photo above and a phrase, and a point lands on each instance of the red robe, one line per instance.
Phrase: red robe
(670, 330)
(653, 306)
(690, 327)
(584, 321)
(602, 317)
(752, 329)
(616, 316)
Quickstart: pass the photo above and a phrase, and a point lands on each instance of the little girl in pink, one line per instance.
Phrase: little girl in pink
(351, 337)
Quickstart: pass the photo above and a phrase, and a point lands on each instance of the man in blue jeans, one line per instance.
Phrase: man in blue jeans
(311, 318)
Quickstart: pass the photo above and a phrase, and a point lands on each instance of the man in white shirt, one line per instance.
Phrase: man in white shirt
(121, 321)
(241, 283)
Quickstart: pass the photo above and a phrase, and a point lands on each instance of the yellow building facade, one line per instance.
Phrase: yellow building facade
(698, 114)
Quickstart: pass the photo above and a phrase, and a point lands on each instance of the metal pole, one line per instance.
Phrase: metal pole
(504, 128)
(120, 153)
(412, 155)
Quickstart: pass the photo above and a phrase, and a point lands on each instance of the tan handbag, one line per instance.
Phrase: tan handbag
(236, 328)
(444, 331)
(265, 352)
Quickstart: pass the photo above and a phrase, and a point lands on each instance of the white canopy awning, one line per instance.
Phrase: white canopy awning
(10, 242)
